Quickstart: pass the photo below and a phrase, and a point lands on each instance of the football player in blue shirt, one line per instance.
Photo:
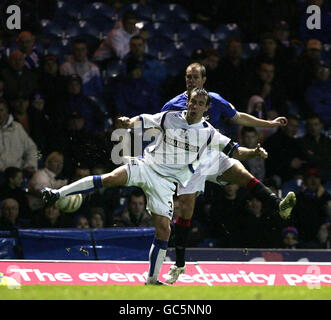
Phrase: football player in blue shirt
(219, 108)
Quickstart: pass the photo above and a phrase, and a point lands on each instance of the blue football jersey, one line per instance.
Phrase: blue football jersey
(219, 107)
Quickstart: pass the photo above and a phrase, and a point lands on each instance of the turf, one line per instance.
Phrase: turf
(164, 293)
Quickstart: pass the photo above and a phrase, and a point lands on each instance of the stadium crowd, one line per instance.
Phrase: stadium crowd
(74, 67)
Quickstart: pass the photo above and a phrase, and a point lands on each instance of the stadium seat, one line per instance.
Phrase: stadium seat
(100, 26)
(171, 13)
(195, 43)
(160, 29)
(224, 31)
(98, 9)
(53, 29)
(155, 46)
(70, 9)
(60, 48)
(250, 50)
(193, 30)
(172, 50)
(142, 12)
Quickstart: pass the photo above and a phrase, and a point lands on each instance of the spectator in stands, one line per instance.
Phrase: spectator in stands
(210, 58)
(51, 217)
(18, 79)
(318, 94)
(74, 100)
(234, 70)
(9, 218)
(116, 44)
(78, 144)
(269, 52)
(290, 238)
(285, 158)
(152, 70)
(256, 107)
(81, 171)
(16, 149)
(135, 214)
(79, 64)
(250, 139)
(257, 228)
(13, 189)
(26, 44)
(97, 217)
(224, 213)
(264, 84)
(316, 146)
(81, 222)
(142, 98)
(51, 84)
(303, 72)
(46, 177)
(310, 211)
(324, 236)
(281, 32)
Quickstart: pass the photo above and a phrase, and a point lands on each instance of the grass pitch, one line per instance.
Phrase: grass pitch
(62, 292)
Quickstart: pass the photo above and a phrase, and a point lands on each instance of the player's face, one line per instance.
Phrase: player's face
(194, 78)
(196, 107)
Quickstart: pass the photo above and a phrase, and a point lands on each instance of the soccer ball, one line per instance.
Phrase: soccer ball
(69, 203)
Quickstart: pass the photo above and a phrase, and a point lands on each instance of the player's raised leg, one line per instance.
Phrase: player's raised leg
(116, 178)
(239, 175)
(159, 248)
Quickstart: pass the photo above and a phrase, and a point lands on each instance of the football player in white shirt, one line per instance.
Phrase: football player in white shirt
(184, 138)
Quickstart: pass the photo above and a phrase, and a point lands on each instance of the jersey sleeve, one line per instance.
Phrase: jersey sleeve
(151, 120)
(223, 144)
(227, 109)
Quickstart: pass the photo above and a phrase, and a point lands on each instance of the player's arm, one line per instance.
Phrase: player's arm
(127, 123)
(247, 120)
(242, 153)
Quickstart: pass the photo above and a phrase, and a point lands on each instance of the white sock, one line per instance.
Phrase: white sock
(83, 185)
(157, 255)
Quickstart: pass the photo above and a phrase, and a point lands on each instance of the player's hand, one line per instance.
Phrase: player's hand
(279, 122)
(260, 152)
(123, 122)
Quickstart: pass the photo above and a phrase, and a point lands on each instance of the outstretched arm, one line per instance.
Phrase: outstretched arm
(243, 153)
(248, 120)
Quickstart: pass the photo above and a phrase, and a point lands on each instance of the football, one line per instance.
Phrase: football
(69, 203)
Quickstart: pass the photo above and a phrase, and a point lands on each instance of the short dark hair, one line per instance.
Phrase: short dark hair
(127, 15)
(11, 172)
(313, 115)
(199, 92)
(137, 37)
(137, 193)
(200, 66)
(245, 130)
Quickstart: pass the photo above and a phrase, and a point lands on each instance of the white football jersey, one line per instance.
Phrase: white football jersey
(180, 146)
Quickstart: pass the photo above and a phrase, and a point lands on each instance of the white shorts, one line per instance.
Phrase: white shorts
(211, 171)
(159, 190)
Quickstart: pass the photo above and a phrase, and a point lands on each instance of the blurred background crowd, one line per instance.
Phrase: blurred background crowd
(75, 66)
